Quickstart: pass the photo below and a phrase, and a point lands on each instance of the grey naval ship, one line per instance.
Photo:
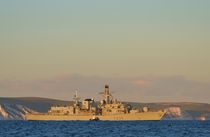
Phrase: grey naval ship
(108, 109)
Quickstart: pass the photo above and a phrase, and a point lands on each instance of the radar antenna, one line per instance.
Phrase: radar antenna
(107, 95)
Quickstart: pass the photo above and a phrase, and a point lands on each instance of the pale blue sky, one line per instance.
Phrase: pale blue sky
(43, 39)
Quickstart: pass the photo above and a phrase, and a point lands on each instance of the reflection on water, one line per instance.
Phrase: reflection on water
(105, 128)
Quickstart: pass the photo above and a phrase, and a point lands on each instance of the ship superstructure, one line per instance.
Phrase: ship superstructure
(108, 109)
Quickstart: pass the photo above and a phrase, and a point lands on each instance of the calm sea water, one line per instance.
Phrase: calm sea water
(105, 129)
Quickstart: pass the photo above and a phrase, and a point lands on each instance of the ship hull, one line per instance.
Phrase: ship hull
(121, 117)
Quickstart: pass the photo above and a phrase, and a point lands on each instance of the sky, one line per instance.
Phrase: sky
(147, 50)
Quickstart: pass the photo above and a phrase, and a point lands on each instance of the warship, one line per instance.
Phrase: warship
(108, 108)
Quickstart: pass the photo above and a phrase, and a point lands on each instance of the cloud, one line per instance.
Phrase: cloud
(141, 89)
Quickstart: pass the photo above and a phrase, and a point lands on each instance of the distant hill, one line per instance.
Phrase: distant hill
(16, 108)
(35, 103)
(189, 110)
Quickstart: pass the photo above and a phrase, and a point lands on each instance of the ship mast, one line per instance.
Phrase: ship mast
(76, 98)
(107, 96)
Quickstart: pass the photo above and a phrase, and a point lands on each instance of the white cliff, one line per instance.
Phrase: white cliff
(13, 112)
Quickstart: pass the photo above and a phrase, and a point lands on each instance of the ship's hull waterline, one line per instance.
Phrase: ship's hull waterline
(122, 117)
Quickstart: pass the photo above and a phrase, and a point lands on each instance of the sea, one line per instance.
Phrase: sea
(164, 128)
